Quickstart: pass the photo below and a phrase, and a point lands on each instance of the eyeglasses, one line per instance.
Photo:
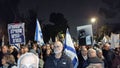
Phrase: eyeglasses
(56, 46)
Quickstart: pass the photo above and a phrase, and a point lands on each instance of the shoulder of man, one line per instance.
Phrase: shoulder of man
(64, 56)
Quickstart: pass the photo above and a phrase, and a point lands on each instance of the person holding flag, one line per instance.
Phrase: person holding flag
(70, 50)
(38, 34)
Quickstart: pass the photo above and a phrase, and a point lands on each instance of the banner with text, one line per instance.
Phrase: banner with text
(16, 33)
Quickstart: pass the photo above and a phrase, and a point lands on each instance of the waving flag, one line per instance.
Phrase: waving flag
(70, 50)
(38, 34)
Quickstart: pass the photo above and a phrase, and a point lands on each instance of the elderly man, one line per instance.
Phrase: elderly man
(94, 60)
(83, 58)
(58, 59)
(28, 60)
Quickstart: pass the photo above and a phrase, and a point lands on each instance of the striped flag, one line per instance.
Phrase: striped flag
(38, 34)
(70, 50)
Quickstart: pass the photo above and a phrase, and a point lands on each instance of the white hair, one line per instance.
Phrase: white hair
(26, 55)
(92, 52)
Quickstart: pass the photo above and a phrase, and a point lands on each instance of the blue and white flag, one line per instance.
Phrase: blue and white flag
(38, 34)
(70, 50)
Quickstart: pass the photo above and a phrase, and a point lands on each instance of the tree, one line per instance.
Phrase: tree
(110, 11)
(60, 23)
(8, 14)
(57, 24)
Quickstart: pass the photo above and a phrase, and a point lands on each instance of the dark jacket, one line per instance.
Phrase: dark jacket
(109, 56)
(116, 62)
(63, 62)
(95, 60)
(82, 62)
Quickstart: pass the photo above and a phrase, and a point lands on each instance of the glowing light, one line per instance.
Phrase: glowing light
(93, 20)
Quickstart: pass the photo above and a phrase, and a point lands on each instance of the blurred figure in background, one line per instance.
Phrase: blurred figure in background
(26, 49)
(41, 62)
(116, 60)
(95, 66)
(100, 55)
(8, 61)
(93, 59)
(83, 58)
(34, 49)
(108, 54)
(47, 54)
(4, 62)
(11, 61)
(14, 52)
(4, 51)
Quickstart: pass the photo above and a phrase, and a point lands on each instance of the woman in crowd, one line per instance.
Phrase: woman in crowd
(8, 61)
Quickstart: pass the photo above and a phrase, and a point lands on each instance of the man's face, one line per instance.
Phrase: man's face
(84, 52)
(107, 46)
(28, 62)
(99, 54)
(58, 47)
(4, 49)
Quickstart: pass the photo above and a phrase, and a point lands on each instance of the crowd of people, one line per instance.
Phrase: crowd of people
(51, 55)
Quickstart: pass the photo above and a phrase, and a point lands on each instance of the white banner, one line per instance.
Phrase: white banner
(114, 40)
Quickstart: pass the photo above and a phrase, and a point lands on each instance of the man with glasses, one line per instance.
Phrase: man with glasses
(58, 59)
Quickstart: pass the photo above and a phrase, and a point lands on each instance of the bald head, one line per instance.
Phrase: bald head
(92, 53)
(107, 46)
(58, 43)
(28, 60)
(58, 47)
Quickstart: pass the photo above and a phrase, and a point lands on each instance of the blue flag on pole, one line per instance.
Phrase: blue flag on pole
(38, 34)
(70, 50)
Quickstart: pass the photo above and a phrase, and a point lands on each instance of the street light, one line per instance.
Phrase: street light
(93, 20)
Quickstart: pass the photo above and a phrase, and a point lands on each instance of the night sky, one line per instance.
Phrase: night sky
(77, 12)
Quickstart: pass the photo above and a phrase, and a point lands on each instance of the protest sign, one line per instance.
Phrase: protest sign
(85, 34)
(16, 33)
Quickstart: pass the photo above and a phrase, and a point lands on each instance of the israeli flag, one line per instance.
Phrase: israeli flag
(70, 50)
(38, 34)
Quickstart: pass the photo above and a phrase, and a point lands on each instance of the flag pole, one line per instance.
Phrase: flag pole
(3, 40)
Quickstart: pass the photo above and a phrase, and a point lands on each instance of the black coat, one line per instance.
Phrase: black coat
(109, 56)
(82, 62)
(63, 62)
